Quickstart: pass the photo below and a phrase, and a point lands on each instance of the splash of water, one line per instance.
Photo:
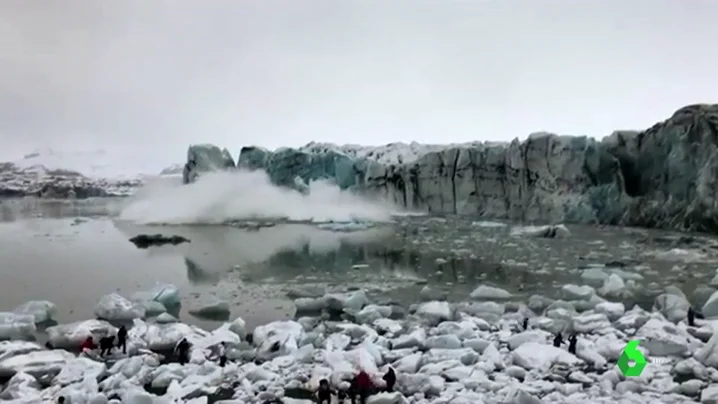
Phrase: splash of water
(217, 198)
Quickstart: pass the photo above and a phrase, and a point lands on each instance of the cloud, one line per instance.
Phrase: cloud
(162, 74)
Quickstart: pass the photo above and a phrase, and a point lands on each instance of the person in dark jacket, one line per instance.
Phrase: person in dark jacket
(122, 339)
(525, 324)
(106, 345)
(183, 351)
(558, 340)
(88, 344)
(324, 392)
(61, 400)
(691, 317)
(390, 379)
(572, 341)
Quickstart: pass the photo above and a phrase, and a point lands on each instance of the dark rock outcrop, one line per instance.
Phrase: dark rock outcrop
(665, 176)
(154, 240)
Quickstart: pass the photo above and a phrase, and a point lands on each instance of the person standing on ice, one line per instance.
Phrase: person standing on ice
(390, 379)
(182, 349)
(122, 339)
(362, 386)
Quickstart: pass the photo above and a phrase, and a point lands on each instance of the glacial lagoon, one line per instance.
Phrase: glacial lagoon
(73, 252)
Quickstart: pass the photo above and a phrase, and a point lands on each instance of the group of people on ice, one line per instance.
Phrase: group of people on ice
(361, 386)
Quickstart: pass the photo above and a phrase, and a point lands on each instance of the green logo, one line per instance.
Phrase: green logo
(632, 354)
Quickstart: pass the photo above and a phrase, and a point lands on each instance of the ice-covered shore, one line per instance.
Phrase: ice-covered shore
(466, 352)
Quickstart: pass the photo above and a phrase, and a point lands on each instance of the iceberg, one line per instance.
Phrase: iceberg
(16, 326)
(42, 310)
(114, 307)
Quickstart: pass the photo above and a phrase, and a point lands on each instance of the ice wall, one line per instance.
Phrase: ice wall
(665, 176)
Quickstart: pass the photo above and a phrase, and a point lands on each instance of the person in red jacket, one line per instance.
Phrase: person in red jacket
(89, 343)
(362, 386)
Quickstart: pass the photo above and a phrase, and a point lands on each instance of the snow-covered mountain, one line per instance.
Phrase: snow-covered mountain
(78, 173)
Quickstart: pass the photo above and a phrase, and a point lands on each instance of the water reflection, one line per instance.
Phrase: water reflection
(216, 250)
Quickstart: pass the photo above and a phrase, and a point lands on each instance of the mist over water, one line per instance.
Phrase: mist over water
(216, 198)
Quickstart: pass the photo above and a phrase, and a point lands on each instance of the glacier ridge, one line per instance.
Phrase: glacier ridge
(663, 177)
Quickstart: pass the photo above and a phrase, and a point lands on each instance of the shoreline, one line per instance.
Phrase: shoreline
(466, 350)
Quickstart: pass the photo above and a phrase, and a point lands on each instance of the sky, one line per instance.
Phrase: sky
(159, 75)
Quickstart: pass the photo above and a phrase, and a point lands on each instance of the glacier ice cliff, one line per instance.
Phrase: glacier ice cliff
(664, 177)
(203, 158)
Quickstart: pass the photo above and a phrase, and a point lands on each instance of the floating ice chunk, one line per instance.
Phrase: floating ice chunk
(550, 231)
(114, 307)
(486, 292)
(158, 337)
(152, 308)
(42, 310)
(239, 327)
(534, 355)
(214, 308)
(347, 301)
(16, 326)
(77, 369)
(22, 387)
(13, 348)
(277, 338)
(41, 364)
(435, 311)
(166, 294)
(166, 318)
(346, 226)
(71, 336)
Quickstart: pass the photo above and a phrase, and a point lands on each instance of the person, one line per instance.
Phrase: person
(49, 345)
(390, 379)
(122, 339)
(324, 393)
(558, 340)
(220, 351)
(183, 351)
(88, 344)
(691, 317)
(361, 386)
(61, 400)
(572, 341)
(525, 324)
(106, 344)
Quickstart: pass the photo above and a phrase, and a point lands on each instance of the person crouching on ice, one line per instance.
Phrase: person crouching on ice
(88, 345)
(106, 345)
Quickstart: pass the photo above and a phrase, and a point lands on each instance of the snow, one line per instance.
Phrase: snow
(392, 153)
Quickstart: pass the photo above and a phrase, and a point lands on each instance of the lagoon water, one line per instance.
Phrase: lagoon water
(74, 252)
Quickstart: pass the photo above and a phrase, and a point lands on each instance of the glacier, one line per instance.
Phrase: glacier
(665, 176)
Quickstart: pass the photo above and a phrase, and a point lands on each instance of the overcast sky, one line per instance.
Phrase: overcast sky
(162, 74)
